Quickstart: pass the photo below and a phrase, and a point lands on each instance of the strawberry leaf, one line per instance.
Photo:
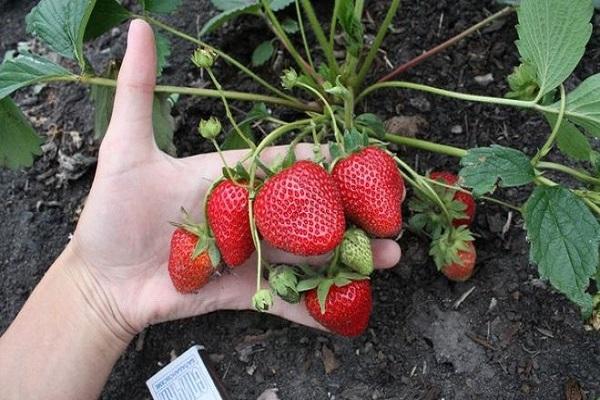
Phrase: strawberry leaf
(242, 7)
(161, 6)
(552, 38)
(483, 167)
(18, 141)
(564, 238)
(371, 123)
(583, 105)
(262, 53)
(27, 69)
(570, 140)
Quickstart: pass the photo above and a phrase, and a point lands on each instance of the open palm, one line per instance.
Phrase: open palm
(123, 234)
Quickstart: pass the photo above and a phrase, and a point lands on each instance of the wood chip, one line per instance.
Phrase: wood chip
(329, 361)
(573, 390)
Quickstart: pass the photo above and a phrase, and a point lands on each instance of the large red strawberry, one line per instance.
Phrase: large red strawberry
(469, 203)
(372, 191)
(227, 214)
(347, 308)
(299, 210)
(190, 266)
(454, 253)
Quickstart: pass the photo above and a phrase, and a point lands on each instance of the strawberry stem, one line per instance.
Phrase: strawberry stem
(336, 131)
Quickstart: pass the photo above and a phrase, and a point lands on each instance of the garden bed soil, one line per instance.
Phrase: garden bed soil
(511, 338)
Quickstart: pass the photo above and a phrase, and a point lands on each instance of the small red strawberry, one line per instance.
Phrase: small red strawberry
(347, 308)
(372, 191)
(227, 215)
(299, 210)
(191, 263)
(465, 198)
(454, 253)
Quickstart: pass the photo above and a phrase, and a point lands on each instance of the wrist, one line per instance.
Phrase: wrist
(91, 300)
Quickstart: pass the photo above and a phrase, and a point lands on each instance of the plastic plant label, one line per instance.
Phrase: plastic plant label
(185, 378)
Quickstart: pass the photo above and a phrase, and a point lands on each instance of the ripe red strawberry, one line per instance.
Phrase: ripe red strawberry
(227, 214)
(299, 210)
(188, 271)
(454, 253)
(372, 191)
(461, 271)
(451, 179)
(347, 308)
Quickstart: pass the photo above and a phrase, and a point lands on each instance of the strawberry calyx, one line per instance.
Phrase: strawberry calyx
(353, 141)
(445, 248)
(323, 284)
(283, 279)
(206, 242)
(428, 217)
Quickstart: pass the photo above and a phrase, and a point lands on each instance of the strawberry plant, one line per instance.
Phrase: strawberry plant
(333, 205)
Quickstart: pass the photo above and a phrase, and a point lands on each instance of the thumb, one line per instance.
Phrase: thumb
(132, 112)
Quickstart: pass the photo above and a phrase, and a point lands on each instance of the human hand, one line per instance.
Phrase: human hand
(122, 240)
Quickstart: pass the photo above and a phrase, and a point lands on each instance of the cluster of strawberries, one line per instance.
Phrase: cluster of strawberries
(304, 210)
(307, 210)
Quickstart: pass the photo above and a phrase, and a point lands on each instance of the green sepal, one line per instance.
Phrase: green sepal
(213, 253)
(322, 292)
(283, 280)
(444, 248)
(339, 90)
(308, 284)
(354, 140)
(262, 300)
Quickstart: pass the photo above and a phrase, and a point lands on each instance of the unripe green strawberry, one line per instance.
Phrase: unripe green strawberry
(356, 251)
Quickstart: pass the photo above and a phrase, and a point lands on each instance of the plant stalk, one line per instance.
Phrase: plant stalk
(320, 35)
(548, 145)
(303, 34)
(439, 48)
(200, 92)
(364, 69)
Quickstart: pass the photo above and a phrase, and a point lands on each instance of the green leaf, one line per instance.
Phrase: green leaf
(163, 51)
(163, 123)
(262, 53)
(18, 140)
(564, 238)
(583, 105)
(226, 5)
(352, 27)
(105, 15)
(161, 6)
(61, 25)
(277, 5)
(229, 14)
(516, 2)
(372, 123)
(25, 70)
(308, 284)
(552, 37)
(570, 140)
(290, 26)
(484, 166)
(322, 292)
(233, 140)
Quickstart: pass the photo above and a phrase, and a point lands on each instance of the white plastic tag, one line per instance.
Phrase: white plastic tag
(185, 378)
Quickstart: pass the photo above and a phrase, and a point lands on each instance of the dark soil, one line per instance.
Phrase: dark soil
(512, 338)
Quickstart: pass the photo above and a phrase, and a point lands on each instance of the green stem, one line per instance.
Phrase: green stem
(228, 110)
(287, 43)
(364, 69)
(227, 169)
(359, 5)
(270, 138)
(426, 145)
(220, 53)
(332, 25)
(582, 176)
(91, 80)
(320, 35)
(336, 131)
(349, 109)
(303, 34)
(550, 141)
(592, 206)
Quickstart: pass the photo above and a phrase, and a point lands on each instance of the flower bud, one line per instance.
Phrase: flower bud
(289, 78)
(203, 58)
(209, 128)
(262, 300)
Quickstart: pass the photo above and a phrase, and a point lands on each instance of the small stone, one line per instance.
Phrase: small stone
(216, 357)
(456, 129)
(484, 80)
(303, 340)
(420, 103)
(251, 369)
